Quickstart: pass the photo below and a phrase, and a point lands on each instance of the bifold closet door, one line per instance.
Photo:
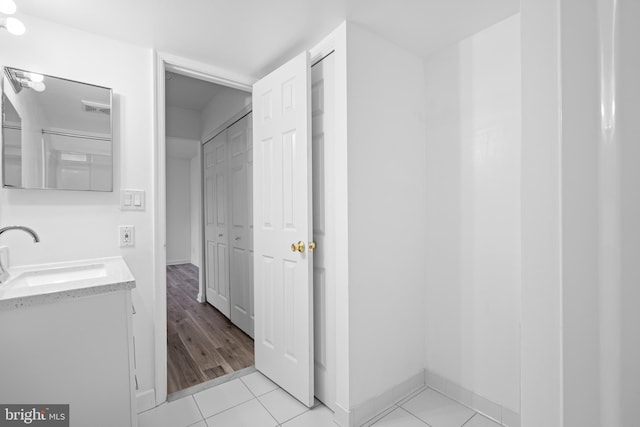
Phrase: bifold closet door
(216, 224)
(240, 144)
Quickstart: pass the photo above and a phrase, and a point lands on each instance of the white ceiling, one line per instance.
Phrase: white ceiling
(189, 93)
(251, 37)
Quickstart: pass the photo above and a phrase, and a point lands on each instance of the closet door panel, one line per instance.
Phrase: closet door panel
(216, 224)
(238, 136)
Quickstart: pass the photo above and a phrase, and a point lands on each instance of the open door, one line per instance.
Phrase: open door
(282, 212)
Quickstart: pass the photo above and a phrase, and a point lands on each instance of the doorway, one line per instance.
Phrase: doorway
(203, 342)
(324, 292)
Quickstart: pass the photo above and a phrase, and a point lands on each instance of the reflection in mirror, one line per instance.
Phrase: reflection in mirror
(56, 133)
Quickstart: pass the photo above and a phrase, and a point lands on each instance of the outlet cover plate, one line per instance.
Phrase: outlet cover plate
(127, 236)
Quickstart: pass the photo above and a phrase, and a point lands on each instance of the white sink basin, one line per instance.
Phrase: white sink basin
(55, 275)
(63, 280)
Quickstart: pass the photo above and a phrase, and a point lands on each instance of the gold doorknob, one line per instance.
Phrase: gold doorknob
(298, 247)
(312, 246)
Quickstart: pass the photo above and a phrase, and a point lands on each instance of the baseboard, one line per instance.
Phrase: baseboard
(180, 261)
(146, 400)
(342, 416)
(486, 407)
(200, 298)
(379, 405)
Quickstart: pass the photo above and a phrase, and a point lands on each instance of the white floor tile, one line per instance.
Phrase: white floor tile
(222, 397)
(248, 414)
(438, 410)
(399, 418)
(281, 405)
(180, 413)
(320, 416)
(258, 383)
(481, 421)
(199, 424)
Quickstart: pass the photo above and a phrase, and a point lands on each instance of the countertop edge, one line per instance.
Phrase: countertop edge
(68, 294)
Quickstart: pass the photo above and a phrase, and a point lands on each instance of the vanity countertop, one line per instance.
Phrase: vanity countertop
(46, 283)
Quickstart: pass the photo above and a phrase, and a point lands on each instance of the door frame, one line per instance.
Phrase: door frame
(335, 42)
(167, 62)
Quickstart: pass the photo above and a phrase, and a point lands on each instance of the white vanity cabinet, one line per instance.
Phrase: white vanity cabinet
(71, 345)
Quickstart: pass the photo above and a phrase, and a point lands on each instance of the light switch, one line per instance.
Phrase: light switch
(132, 200)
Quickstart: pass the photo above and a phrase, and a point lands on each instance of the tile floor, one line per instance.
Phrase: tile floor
(254, 401)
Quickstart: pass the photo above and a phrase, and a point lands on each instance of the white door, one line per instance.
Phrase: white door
(216, 223)
(282, 217)
(241, 233)
(324, 275)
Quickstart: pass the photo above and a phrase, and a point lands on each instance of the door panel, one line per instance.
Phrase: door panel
(216, 224)
(282, 214)
(241, 234)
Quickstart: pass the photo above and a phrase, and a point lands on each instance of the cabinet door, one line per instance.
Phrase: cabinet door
(282, 217)
(241, 233)
(216, 224)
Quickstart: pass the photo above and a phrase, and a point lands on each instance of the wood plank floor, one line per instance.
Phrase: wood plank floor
(202, 344)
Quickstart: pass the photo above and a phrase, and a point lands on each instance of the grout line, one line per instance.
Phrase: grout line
(373, 420)
(229, 408)
(467, 422)
(249, 388)
(268, 412)
(414, 416)
(199, 410)
(411, 395)
(469, 407)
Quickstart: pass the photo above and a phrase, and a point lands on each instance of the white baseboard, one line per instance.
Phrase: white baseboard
(146, 400)
(341, 416)
(200, 297)
(179, 261)
(380, 404)
(486, 407)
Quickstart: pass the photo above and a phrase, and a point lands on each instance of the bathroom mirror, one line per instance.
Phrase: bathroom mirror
(56, 133)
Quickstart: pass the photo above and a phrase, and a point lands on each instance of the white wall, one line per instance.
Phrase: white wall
(628, 296)
(224, 105)
(473, 125)
(183, 123)
(178, 210)
(80, 225)
(387, 210)
(541, 242)
(196, 234)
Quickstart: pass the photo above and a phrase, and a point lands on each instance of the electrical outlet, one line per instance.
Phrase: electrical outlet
(127, 236)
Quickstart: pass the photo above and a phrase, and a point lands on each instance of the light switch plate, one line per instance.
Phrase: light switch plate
(127, 236)
(132, 200)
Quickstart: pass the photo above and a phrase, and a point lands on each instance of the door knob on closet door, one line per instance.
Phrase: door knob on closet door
(298, 247)
(312, 246)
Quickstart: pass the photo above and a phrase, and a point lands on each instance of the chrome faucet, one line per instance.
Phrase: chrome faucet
(4, 273)
(35, 236)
